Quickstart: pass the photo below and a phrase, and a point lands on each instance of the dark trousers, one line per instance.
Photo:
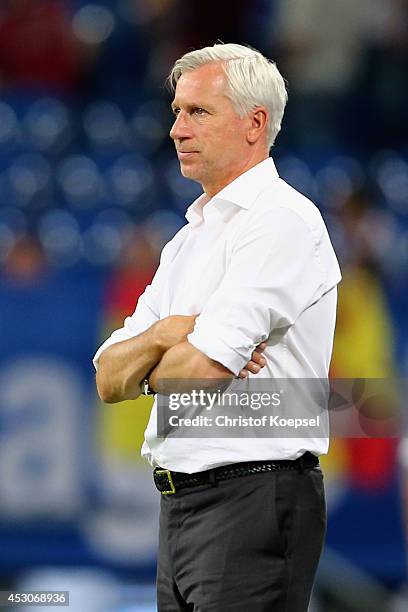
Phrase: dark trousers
(248, 544)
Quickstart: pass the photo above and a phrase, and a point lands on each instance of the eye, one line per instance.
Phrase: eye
(199, 111)
(175, 110)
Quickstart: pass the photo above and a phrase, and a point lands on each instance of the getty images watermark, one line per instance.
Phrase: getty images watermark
(291, 408)
(215, 400)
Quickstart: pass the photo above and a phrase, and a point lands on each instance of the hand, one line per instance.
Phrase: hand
(256, 363)
(173, 330)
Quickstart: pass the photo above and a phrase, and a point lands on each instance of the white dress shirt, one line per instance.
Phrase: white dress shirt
(257, 263)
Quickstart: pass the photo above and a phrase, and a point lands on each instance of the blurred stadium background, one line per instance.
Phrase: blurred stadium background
(89, 192)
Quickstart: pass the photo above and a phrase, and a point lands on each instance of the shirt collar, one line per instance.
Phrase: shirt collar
(241, 192)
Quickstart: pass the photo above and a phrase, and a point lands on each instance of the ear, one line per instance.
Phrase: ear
(258, 120)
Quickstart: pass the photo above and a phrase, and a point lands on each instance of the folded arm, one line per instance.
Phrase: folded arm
(182, 366)
(124, 365)
(160, 353)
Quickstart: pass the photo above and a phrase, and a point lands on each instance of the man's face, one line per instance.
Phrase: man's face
(210, 138)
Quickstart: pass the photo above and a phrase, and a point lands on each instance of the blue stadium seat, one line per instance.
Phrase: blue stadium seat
(132, 181)
(9, 129)
(150, 126)
(60, 236)
(48, 126)
(29, 179)
(81, 182)
(105, 126)
(104, 239)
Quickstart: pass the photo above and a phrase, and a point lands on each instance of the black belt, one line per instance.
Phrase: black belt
(168, 482)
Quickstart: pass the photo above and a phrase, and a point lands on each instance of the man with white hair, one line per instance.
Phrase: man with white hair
(246, 289)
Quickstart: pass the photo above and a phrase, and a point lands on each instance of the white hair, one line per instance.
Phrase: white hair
(253, 80)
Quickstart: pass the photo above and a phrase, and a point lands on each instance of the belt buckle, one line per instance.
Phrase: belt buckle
(172, 488)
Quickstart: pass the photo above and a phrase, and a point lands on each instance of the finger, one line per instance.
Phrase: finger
(253, 367)
(261, 347)
(243, 373)
(258, 358)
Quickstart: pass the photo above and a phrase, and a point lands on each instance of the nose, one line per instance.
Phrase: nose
(180, 128)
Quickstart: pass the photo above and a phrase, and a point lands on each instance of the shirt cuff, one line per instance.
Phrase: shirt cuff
(218, 350)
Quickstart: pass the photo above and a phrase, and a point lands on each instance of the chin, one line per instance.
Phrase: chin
(189, 172)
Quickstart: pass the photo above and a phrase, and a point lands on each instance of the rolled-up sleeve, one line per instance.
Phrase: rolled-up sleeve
(147, 310)
(275, 272)
(144, 316)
